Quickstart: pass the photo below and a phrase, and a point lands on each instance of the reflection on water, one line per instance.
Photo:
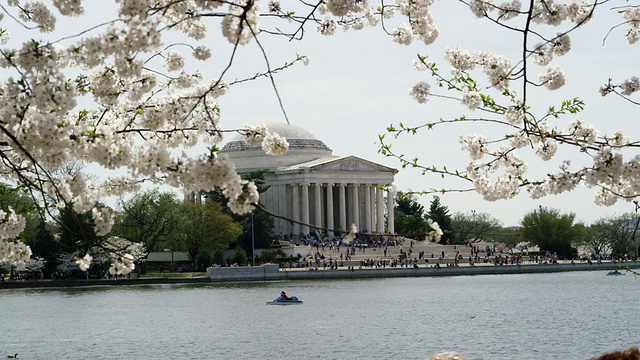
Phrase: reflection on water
(532, 316)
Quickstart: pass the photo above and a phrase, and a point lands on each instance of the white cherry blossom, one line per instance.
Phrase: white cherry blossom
(420, 92)
(85, 262)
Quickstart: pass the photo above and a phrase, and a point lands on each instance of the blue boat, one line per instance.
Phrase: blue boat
(615, 272)
(282, 301)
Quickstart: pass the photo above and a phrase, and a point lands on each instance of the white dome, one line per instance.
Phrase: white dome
(297, 137)
(303, 146)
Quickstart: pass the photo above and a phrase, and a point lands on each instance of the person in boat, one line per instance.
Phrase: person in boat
(284, 295)
(615, 271)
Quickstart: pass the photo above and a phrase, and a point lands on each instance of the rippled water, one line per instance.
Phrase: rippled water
(532, 316)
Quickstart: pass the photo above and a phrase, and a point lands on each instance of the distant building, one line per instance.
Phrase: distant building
(311, 185)
(167, 259)
(168, 256)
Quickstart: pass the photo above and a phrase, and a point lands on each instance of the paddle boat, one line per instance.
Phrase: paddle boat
(292, 300)
(615, 272)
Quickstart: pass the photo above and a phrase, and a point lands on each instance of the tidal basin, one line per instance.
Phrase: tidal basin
(572, 315)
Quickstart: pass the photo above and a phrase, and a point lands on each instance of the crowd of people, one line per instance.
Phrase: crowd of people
(327, 252)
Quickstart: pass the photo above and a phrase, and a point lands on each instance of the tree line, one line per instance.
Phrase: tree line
(156, 220)
(547, 228)
(151, 220)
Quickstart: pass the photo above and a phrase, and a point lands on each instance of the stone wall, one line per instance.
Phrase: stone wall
(271, 271)
(245, 273)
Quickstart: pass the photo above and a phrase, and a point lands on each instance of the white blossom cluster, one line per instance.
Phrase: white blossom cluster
(583, 133)
(499, 70)
(543, 52)
(68, 262)
(122, 254)
(14, 252)
(348, 14)
(351, 235)
(84, 263)
(554, 77)
(632, 17)
(241, 24)
(271, 142)
(117, 245)
(495, 67)
(122, 265)
(630, 86)
(627, 87)
(476, 145)
(344, 7)
(421, 25)
(38, 13)
(328, 26)
(356, 14)
(32, 265)
(11, 225)
(69, 7)
(420, 92)
(274, 144)
(492, 189)
(392, 188)
(435, 234)
(471, 99)
(254, 134)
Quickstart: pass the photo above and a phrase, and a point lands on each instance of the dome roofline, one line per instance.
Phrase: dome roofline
(296, 136)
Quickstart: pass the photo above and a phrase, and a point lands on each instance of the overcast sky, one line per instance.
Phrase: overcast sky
(358, 82)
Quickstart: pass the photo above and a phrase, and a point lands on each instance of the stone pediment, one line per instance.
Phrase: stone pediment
(340, 164)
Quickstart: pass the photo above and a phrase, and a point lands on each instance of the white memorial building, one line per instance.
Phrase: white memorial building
(311, 185)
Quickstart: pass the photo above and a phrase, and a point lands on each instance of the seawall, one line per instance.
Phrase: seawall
(272, 272)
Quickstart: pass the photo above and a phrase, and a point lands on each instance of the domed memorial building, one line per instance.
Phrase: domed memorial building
(311, 185)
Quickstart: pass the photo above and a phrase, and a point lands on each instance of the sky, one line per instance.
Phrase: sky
(357, 83)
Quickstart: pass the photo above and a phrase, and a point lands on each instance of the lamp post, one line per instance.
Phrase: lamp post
(253, 250)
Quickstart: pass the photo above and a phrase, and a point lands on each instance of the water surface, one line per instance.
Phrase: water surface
(574, 315)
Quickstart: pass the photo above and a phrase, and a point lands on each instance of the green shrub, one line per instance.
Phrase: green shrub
(239, 257)
(203, 259)
(268, 256)
(218, 257)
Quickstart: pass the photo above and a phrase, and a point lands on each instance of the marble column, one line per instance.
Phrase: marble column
(330, 208)
(342, 204)
(295, 208)
(380, 210)
(390, 216)
(318, 205)
(356, 206)
(305, 208)
(281, 225)
(372, 197)
(367, 207)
